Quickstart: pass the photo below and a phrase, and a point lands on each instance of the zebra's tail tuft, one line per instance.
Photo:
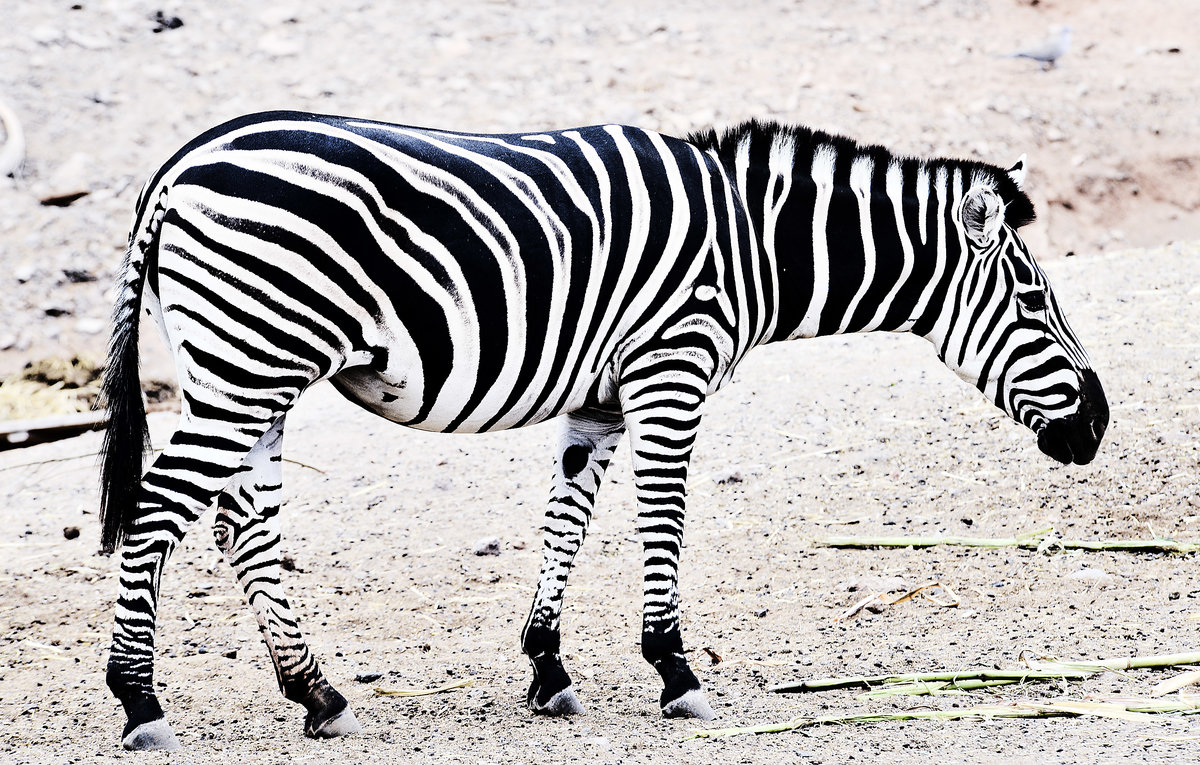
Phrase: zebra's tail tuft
(127, 435)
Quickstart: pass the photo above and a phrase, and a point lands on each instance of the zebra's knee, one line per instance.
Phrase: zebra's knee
(223, 533)
(574, 459)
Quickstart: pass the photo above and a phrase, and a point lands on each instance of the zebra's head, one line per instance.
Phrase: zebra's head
(1006, 334)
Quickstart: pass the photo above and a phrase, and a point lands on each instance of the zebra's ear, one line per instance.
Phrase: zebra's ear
(982, 214)
(1017, 172)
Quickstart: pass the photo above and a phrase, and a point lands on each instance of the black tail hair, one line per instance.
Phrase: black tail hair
(127, 436)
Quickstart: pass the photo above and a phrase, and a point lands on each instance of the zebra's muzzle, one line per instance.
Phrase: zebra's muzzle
(1076, 438)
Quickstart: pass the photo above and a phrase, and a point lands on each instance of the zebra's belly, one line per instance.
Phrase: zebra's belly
(392, 398)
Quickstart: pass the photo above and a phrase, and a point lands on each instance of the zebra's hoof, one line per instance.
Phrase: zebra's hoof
(342, 724)
(561, 704)
(691, 704)
(155, 735)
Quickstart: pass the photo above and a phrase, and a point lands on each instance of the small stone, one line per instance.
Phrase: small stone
(230, 654)
(728, 476)
(1094, 576)
(78, 275)
(368, 677)
(487, 546)
(278, 45)
(45, 35)
(88, 41)
(163, 22)
(70, 532)
(874, 584)
(280, 14)
(90, 326)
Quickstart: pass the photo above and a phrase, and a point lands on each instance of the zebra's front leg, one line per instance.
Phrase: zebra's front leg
(586, 443)
(663, 415)
(247, 531)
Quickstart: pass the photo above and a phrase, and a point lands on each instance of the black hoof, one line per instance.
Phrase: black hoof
(551, 693)
(151, 736)
(561, 704)
(329, 714)
(692, 704)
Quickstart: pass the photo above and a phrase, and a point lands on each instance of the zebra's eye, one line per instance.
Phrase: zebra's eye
(1033, 301)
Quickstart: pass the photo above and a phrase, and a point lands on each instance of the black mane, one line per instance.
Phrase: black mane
(1019, 208)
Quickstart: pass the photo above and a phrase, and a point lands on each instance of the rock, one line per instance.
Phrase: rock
(91, 326)
(71, 532)
(88, 42)
(279, 14)
(278, 45)
(163, 22)
(487, 546)
(1092, 576)
(728, 476)
(874, 584)
(230, 654)
(44, 35)
(368, 677)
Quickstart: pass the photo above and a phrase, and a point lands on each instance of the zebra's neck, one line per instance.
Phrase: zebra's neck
(852, 238)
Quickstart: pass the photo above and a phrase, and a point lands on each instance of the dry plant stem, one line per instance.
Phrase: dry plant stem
(1124, 709)
(1040, 671)
(407, 692)
(1131, 662)
(933, 689)
(1026, 543)
(871, 681)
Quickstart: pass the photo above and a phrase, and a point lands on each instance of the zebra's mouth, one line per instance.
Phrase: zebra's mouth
(1075, 438)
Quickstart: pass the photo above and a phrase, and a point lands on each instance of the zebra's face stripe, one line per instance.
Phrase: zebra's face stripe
(1012, 341)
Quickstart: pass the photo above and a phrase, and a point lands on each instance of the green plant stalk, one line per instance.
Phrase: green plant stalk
(870, 681)
(1065, 708)
(1028, 542)
(1131, 662)
(934, 689)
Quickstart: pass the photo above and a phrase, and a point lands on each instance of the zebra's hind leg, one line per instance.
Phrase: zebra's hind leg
(202, 457)
(586, 443)
(663, 415)
(247, 531)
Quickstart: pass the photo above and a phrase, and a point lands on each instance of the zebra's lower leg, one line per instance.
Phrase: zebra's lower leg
(247, 531)
(586, 444)
(201, 458)
(662, 427)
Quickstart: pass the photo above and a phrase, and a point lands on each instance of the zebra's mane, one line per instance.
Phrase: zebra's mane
(1019, 208)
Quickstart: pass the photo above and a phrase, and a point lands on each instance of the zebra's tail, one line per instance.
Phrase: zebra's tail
(127, 436)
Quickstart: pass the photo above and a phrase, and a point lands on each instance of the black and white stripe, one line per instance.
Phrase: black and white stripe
(466, 283)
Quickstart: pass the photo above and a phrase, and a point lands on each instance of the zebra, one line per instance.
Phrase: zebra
(610, 276)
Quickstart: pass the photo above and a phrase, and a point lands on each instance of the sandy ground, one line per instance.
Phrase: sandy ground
(859, 435)
(881, 440)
